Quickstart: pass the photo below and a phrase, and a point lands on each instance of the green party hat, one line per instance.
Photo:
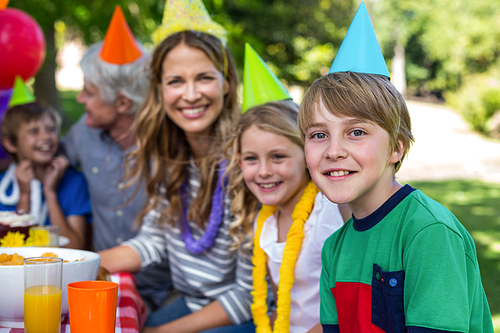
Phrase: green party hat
(260, 85)
(360, 51)
(20, 93)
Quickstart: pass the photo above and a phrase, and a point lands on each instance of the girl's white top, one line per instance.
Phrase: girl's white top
(325, 218)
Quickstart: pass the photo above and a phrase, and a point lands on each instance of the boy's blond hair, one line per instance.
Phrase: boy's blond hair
(364, 96)
(18, 115)
(276, 117)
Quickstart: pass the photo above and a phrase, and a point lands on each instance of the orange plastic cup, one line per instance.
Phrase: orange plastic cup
(92, 306)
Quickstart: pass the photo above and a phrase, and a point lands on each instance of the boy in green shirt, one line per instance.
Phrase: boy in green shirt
(403, 262)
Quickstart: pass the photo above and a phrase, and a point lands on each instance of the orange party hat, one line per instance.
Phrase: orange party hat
(3, 4)
(119, 46)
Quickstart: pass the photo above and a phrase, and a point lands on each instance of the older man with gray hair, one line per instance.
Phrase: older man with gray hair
(115, 84)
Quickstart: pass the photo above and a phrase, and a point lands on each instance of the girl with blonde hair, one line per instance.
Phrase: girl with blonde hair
(267, 167)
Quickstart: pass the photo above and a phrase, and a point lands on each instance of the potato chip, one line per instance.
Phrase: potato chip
(15, 259)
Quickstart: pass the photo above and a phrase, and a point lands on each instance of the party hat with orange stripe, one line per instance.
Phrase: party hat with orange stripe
(119, 46)
(20, 93)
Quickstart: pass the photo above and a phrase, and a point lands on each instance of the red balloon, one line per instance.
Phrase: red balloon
(22, 46)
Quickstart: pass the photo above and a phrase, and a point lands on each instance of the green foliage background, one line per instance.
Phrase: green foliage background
(445, 41)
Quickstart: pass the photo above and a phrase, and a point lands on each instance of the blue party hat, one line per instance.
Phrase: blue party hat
(360, 51)
(260, 85)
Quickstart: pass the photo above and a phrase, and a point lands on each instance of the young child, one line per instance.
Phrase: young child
(190, 110)
(37, 181)
(403, 263)
(267, 166)
(294, 221)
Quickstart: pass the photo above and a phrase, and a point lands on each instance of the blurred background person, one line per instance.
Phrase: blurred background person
(115, 84)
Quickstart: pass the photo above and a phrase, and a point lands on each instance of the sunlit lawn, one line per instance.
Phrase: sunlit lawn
(477, 205)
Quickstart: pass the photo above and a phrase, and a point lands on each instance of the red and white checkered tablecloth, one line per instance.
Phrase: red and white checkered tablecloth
(130, 311)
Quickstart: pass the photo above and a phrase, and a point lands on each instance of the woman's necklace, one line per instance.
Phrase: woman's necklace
(214, 220)
(37, 209)
(293, 244)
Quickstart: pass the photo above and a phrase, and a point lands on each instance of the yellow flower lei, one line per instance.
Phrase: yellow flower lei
(293, 244)
(40, 237)
(12, 239)
(16, 239)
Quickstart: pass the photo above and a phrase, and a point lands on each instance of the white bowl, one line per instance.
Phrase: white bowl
(12, 279)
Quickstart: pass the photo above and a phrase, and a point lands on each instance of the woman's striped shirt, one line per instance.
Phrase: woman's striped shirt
(216, 274)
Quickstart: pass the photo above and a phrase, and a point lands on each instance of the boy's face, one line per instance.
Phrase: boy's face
(37, 141)
(350, 161)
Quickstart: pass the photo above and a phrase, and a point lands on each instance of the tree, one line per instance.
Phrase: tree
(392, 22)
(444, 41)
(297, 38)
(436, 44)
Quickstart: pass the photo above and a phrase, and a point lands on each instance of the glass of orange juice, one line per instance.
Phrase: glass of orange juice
(42, 295)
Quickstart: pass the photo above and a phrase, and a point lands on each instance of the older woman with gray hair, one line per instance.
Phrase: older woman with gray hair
(113, 92)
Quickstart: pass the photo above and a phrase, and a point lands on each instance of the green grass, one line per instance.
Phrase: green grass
(477, 205)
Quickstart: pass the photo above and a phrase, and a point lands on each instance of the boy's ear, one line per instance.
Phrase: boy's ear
(397, 153)
(8, 145)
(123, 104)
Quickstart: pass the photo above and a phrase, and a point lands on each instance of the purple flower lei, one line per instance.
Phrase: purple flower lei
(214, 220)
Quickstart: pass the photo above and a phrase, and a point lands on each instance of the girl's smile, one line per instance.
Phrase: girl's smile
(268, 187)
